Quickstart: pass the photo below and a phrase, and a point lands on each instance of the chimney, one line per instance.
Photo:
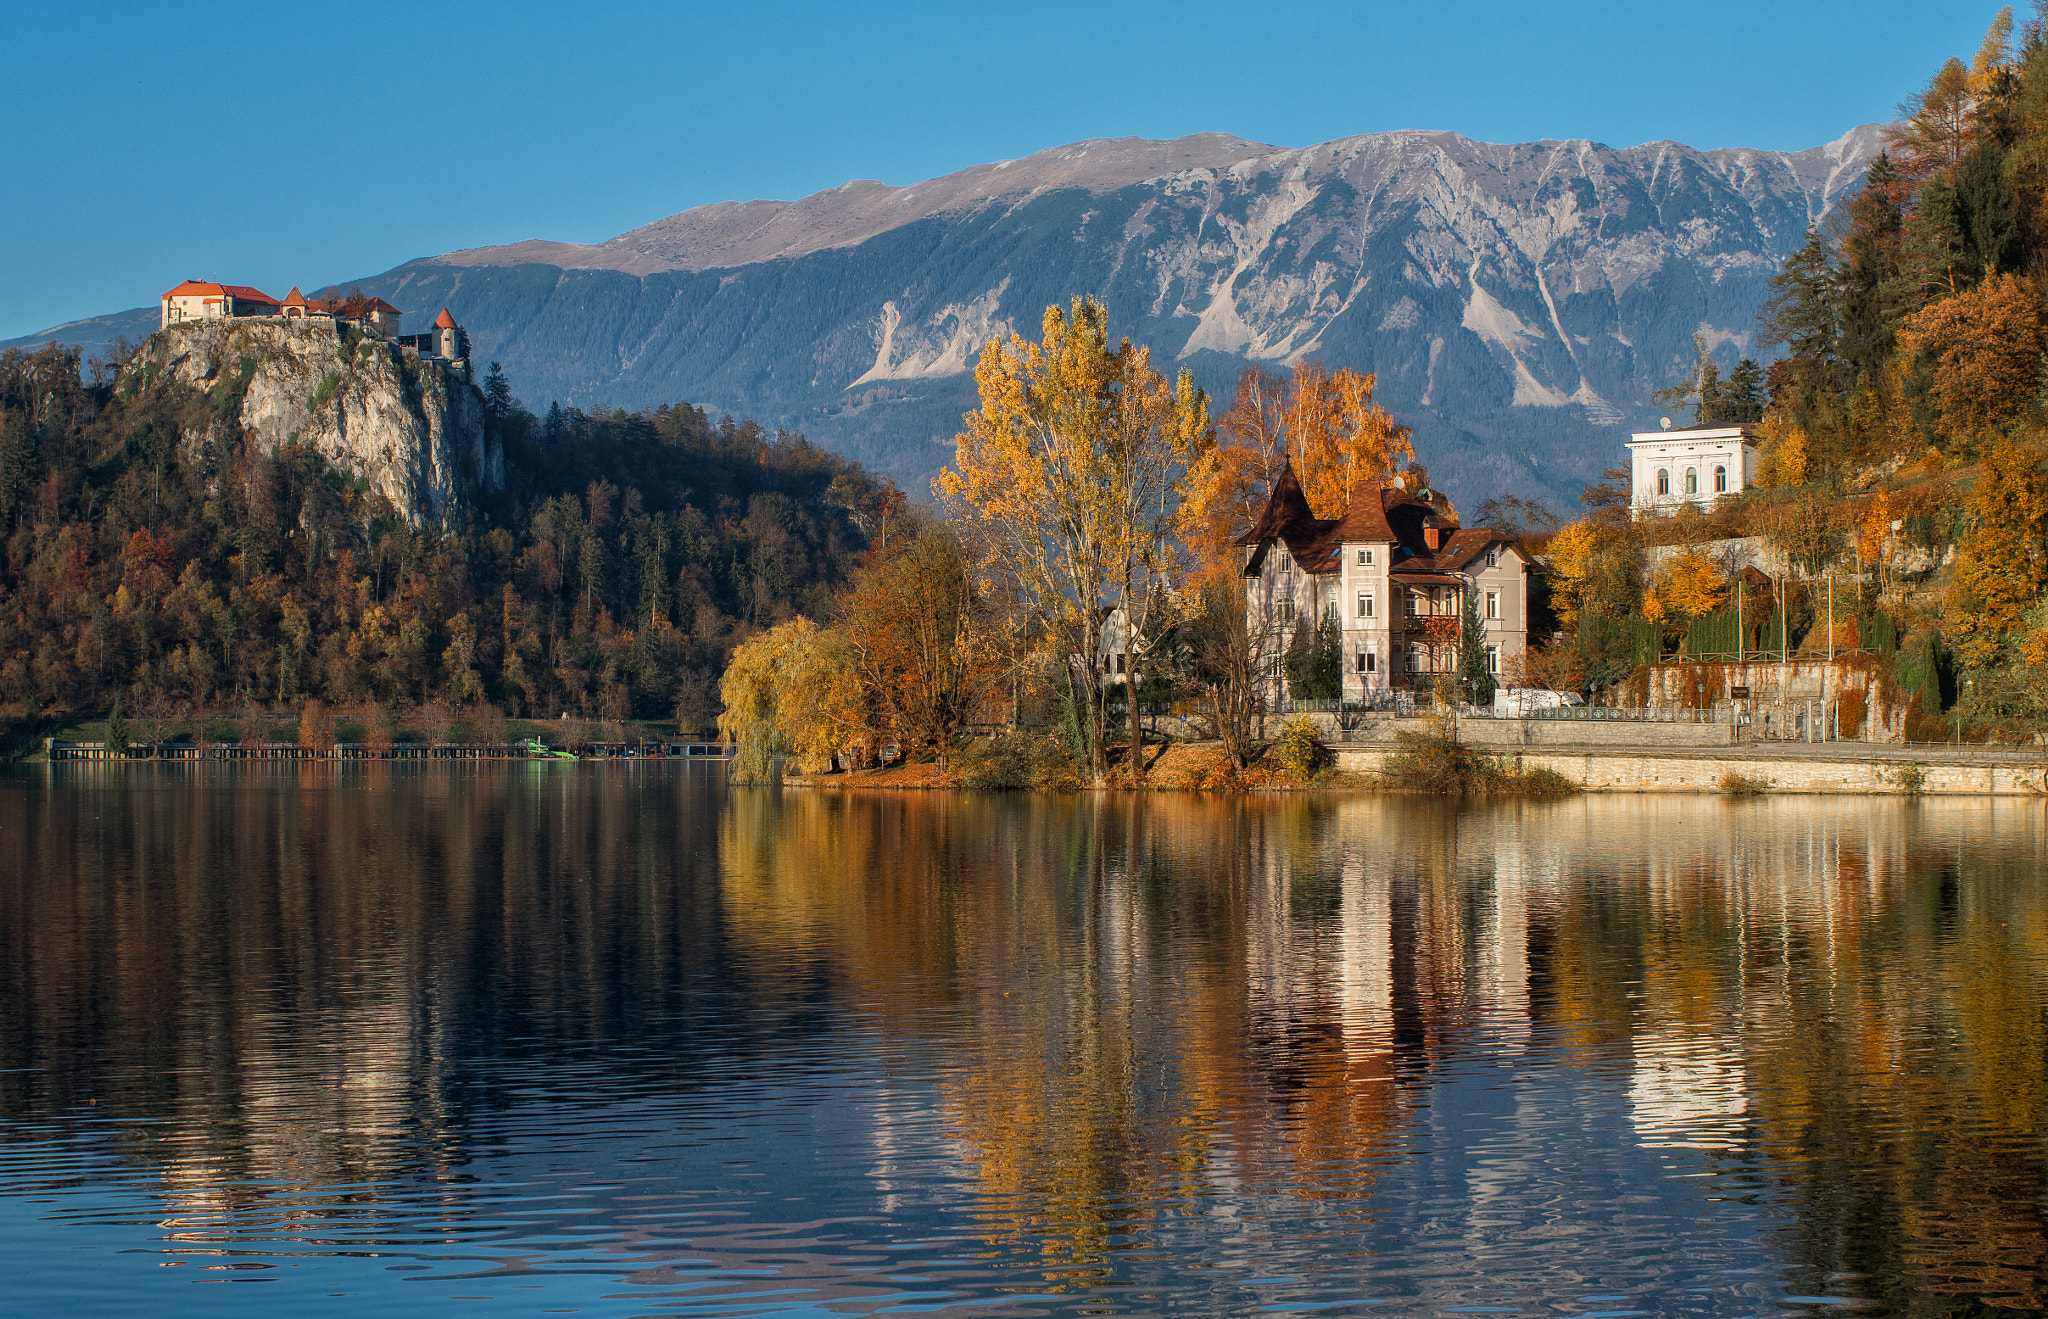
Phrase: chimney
(1432, 538)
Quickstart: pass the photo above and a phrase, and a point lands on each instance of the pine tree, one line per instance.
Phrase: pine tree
(1473, 679)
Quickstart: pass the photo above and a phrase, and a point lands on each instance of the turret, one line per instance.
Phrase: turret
(447, 337)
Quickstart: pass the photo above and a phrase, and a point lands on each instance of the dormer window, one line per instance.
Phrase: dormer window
(1493, 556)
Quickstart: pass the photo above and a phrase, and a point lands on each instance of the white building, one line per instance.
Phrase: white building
(1671, 468)
(1393, 571)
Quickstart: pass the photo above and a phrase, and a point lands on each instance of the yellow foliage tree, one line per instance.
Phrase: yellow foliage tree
(1338, 437)
(1872, 529)
(1986, 345)
(1070, 474)
(1783, 460)
(2002, 565)
(1571, 555)
(790, 690)
(1691, 584)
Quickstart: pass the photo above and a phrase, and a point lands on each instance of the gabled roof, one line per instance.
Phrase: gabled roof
(444, 321)
(295, 298)
(193, 288)
(1379, 513)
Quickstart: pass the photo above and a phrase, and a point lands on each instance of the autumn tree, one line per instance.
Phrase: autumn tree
(1229, 487)
(1225, 646)
(1691, 584)
(926, 648)
(1338, 437)
(1071, 474)
(1985, 348)
(2002, 565)
(790, 690)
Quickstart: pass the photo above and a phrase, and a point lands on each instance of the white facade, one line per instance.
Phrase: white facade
(1381, 612)
(1668, 469)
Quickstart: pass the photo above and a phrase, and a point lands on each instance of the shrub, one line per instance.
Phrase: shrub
(1438, 763)
(1742, 785)
(999, 764)
(1907, 777)
(1300, 749)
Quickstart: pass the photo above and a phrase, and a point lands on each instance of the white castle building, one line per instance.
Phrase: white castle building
(1668, 469)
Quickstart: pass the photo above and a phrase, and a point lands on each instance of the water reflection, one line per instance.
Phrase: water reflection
(614, 1039)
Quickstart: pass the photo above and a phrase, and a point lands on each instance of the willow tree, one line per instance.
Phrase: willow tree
(1072, 471)
(791, 691)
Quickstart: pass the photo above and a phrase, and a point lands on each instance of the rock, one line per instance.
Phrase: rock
(412, 429)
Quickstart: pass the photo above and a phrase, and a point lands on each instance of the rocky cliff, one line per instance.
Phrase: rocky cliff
(413, 430)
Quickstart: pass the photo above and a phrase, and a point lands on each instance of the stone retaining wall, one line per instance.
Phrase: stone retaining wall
(1382, 729)
(1862, 775)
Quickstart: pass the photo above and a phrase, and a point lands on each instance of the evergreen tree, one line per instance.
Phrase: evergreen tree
(1476, 684)
(1802, 314)
(498, 394)
(1314, 662)
(1873, 288)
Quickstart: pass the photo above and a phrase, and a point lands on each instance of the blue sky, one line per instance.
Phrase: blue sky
(280, 144)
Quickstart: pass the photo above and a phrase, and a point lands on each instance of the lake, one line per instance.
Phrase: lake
(615, 1039)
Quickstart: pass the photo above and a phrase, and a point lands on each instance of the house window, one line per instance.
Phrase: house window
(1493, 659)
(1286, 563)
(1416, 605)
(1365, 559)
(1368, 661)
(1692, 480)
(1414, 659)
(1287, 611)
(1493, 556)
(1720, 480)
(1365, 604)
(1663, 480)
(1493, 604)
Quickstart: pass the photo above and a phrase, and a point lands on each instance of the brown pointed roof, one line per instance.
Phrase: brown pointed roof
(295, 298)
(444, 321)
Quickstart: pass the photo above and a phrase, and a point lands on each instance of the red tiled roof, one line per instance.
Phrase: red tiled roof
(194, 287)
(444, 321)
(295, 298)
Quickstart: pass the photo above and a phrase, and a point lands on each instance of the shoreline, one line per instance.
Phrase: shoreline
(1869, 770)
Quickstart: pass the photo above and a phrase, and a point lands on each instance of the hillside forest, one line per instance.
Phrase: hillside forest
(172, 581)
(1903, 436)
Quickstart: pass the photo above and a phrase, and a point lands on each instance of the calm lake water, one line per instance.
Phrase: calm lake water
(613, 1039)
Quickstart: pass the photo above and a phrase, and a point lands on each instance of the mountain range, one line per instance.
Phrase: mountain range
(1517, 303)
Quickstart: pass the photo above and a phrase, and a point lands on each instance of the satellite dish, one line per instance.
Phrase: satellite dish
(1666, 421)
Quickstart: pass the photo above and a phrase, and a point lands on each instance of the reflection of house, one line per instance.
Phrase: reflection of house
(196, 300)
(1669, 469)
(1393, 570)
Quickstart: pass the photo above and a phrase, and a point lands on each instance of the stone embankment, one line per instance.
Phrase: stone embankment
(1853, 769)
(411, 428)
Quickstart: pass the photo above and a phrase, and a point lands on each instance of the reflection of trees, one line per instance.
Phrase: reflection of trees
(277, 967)
(1126, 1006)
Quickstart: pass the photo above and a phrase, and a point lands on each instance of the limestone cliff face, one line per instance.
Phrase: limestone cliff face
(412, 429)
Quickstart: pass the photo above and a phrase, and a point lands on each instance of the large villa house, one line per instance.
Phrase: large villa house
(1669, 469)
(1386, 568)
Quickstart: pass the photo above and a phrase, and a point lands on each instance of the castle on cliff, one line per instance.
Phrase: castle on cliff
(195, 300)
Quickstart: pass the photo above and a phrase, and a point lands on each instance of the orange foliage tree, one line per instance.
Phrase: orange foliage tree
(927, 649)
(1326, 422)
(1986, 346)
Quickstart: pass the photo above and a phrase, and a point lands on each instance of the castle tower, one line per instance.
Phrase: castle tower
(447, 336)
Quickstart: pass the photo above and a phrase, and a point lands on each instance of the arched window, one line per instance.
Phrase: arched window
(1663, 480)
(1692, 480)
(1720, 480)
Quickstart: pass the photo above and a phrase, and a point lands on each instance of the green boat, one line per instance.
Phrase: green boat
(542, 751)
